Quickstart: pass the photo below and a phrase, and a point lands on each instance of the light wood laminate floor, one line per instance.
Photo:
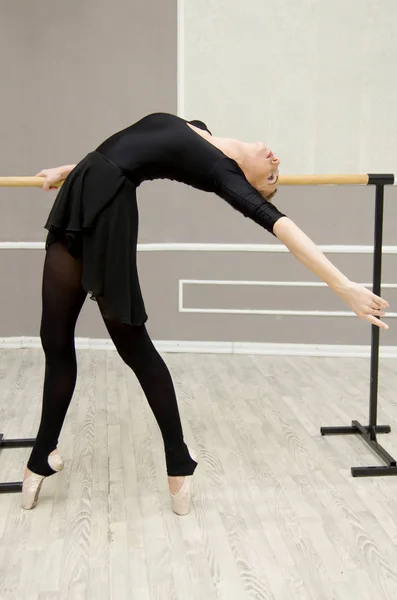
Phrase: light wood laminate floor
(276, 513)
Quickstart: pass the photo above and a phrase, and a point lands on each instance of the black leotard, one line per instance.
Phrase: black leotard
(95, 212)
(163, 146)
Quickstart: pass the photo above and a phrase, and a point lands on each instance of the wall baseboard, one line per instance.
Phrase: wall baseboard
(198, 347)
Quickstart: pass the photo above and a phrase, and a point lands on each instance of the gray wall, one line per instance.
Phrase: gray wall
(75, 72)
(72, 73)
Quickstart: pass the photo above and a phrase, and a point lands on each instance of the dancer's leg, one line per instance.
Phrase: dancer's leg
(138, 352)
(62, 300)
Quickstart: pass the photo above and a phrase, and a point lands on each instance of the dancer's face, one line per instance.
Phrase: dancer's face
(263, 168)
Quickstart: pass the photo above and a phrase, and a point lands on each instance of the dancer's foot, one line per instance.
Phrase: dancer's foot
(181, 492)
(32, 482)
(181, 500)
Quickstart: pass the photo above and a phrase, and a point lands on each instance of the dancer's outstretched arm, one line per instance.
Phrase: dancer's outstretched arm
(364, 303)
(233, 187)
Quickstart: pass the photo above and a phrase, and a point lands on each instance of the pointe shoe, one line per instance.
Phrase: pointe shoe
(31, 485)
(181, 501)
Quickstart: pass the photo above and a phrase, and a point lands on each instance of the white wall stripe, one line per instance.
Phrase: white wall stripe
(21, 245)
(180, 295)
(222, 247)
(181, 58)
(182, 282)
(249, 311)
(285, 313)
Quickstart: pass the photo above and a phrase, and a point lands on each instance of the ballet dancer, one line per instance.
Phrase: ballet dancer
(91, 249)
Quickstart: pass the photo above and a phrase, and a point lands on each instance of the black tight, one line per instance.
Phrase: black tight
(63, 298)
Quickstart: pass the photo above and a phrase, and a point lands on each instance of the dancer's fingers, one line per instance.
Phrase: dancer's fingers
(374, 321)
(377, 312)
(379, 302)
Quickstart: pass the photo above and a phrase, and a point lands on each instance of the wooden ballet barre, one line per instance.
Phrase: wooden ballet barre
(24, 182)
(323, 180)
(362, 179)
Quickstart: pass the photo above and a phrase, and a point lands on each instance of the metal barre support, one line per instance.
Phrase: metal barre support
(13, 486)
(368, 433)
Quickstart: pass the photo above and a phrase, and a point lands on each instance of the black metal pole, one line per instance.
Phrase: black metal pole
(14, 486)
(368, 432)
(376, 288)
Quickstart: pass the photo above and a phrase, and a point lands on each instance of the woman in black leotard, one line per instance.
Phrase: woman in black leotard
(91, 249)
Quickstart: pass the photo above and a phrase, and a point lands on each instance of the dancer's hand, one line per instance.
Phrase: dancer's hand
(364, 303)
(53, 177)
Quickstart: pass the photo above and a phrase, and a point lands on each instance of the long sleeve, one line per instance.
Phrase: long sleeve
(232, 186)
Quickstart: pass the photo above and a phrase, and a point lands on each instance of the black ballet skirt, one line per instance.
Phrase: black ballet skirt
(96, 213)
